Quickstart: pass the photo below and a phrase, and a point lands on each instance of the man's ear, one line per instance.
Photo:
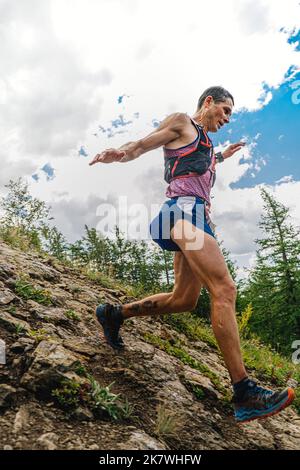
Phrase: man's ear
(208, 100)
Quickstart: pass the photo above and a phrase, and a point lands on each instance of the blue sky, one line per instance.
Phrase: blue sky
(275, 129)
(67, 96)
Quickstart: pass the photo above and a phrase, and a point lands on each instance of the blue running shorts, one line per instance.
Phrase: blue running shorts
(189, 208)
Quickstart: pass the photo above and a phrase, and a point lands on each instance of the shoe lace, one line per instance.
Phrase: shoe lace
(260, 392)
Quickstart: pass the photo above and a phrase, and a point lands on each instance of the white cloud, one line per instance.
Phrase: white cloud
(64, 63)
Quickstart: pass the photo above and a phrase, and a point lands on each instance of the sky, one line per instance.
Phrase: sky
(79, 76)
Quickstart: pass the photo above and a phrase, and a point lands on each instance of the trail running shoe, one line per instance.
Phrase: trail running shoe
(258, 402)
(111, 319)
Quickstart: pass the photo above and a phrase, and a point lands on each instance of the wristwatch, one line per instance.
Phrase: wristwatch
(219, 157)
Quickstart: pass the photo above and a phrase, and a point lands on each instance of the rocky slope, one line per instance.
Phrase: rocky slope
(178, 397)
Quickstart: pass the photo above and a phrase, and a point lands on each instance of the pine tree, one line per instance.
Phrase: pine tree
(273, 286)
(23, 216)
(54, 242)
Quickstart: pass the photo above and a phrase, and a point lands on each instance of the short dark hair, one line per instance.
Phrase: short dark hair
(218, 93)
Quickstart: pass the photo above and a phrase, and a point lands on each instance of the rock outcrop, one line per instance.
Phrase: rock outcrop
(57, 361)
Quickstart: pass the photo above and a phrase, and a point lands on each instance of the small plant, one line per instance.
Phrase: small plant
(67, 394)
(28, 292)
(192, 327)
(127, 409)
(12, 310)
(101, 398)
(72, 315)
(167, 423)
(76, 289)
(20, 329)
(243, 320)
(197, 391)
(38, 335)
(71, 394)
(102, 279)
(81, 370)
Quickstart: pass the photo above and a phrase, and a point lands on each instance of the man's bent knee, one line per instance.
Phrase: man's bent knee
(182, 303)
(225, 292)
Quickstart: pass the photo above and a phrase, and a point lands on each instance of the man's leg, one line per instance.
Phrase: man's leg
(183, 298)
(251, 401)
(208, 263)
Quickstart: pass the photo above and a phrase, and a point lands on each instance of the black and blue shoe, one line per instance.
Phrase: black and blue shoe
(111, 319)
(257, 402)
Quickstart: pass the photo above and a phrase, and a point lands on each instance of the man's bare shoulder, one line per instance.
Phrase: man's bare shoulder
(176, 120)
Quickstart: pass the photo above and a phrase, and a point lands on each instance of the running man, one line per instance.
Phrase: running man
(190, 171)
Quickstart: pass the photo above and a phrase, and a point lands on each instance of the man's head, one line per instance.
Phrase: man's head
(215, 108)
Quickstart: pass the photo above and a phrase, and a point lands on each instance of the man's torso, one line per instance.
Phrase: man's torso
(188, 135)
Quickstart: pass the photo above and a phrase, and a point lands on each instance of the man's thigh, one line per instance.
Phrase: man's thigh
(187, 283)
(206, 261)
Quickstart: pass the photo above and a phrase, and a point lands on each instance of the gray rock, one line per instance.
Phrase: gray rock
(41, 271)
(52, 363)
(53, 315)
(48, 441)
(21, 419)
(22, 345)
(80, 347)
(94, 447)
(83, 414)
(139, 440)
(6, 296)
(7, 394)
(6, 271)
(11, 323)
(193, 377)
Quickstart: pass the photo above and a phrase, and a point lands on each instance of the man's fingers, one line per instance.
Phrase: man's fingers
(238, 144)
(95, 160)
(108, 156)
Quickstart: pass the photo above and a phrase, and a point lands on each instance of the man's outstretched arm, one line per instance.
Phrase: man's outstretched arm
(170, 129)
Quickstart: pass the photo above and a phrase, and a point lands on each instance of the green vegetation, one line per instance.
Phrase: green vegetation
(28, 292)
(168, 423)
(179, 352)
(38, 335)
(267, 303)
(192, 326)
(72, 315)
(70, 394)
(260, 359)
(81, 370)
(20, 329)
(101, 398)
(273, 286)
(12, 310)
(197, 391)
(101, 279)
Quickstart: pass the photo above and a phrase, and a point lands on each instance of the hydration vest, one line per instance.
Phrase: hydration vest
(191, 160)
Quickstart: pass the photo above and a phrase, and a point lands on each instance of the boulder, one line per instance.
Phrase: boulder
(6, 296)
(11, 323)
(7, 394)
(51, 364)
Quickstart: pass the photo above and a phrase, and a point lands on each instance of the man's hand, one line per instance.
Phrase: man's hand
(232, 149)
(109, 156)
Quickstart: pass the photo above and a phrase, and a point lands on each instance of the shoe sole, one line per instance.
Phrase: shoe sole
(290, 399)
(119, 346)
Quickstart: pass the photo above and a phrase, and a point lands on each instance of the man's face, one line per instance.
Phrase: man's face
(218, 114)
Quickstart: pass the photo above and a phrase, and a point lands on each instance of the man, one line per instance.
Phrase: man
(190, 171)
